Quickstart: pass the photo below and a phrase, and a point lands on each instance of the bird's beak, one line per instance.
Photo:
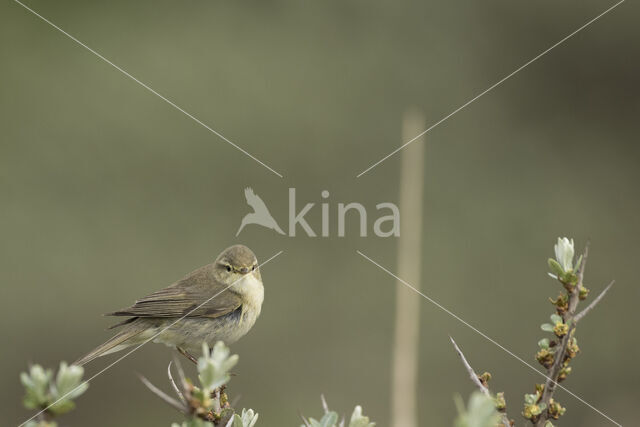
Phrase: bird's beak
(244, 270)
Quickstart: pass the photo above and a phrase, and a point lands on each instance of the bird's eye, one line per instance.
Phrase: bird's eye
(253, 268)
(228, 267)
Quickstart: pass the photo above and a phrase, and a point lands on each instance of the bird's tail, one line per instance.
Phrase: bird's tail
(116, 343)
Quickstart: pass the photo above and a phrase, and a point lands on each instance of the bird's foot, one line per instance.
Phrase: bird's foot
(188, 355)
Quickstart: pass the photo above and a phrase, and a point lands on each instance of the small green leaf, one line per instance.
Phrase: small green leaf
(329, 419)
(480, 412)
(544, 343)
(359, 420)
(62, 407)
(555, 318)
(555, 267)
(235, 421)
(69, 382)
(36, 384)
(577, 267)
(214, 368)
(42, 390)
(248, 418)
(546, 327)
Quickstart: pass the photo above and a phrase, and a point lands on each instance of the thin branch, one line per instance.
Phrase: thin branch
(569, 318)
(590, 307)
(324, 404)
(181, 376)
(304, 420)
(474, 377)
(162, 395)
(554, 371)
(175, 386)
(472, 374)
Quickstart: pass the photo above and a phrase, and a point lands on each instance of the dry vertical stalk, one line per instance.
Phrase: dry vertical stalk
(405, 347)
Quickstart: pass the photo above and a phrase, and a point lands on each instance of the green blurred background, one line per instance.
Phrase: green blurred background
(108, 193)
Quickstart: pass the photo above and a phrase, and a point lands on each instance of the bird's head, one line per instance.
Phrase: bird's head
(235, 262)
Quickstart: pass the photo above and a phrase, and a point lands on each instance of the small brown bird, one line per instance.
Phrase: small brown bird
(233, 291)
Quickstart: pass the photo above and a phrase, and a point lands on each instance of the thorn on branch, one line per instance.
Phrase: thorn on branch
(590, 307)
(476, 380)
(304, 420)
(472, 374)
(164, 396)
(324, 403)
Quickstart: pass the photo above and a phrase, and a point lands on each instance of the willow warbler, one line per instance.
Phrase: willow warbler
(220, 301)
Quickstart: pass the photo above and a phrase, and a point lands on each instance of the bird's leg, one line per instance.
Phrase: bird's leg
(188, 355)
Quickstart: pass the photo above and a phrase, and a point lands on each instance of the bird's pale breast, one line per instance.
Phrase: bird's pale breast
(190, 333)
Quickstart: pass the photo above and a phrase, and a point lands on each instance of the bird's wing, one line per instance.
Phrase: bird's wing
(255, 201)
(183, 297)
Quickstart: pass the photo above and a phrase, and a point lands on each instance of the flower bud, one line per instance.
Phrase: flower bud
(564, 253)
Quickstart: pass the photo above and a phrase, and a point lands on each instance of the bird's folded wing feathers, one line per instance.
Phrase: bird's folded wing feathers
(181, 298)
